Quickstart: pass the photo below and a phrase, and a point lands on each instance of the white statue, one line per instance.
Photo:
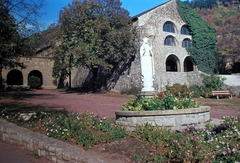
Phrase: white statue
(147, 67)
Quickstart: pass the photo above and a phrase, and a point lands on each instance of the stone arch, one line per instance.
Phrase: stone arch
(172, 63)
(170, 41)
(186, 43)
(185, 30)
(169, 26)
(14, 77)
(188, 64)
(36, 73)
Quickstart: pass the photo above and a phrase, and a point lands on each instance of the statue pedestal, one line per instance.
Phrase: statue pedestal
(148, 94)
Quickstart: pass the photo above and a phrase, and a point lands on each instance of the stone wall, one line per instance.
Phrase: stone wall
(175, 119)
(234, 89)
(79, 76)
(151, 24)
(43, 65)
(164, 79)
(131, 77)
(50, 148)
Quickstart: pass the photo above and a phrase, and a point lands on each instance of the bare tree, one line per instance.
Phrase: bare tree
(25, 11)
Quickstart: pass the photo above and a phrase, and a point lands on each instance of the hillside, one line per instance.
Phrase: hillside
(226, 21)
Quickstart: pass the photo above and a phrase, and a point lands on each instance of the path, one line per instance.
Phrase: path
(103, 104)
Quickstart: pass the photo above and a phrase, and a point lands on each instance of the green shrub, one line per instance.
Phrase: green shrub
(211, 82)
(34, 82)
(164, 101)
(86, 138)
(86, 128)
(153, 134)
(184, 91)
(210, 144)
(113, 134)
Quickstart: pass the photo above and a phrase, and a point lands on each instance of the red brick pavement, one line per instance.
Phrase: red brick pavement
(103, 104)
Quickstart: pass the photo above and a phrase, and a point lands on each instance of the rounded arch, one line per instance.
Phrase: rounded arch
(169, 27)
(172, 63)
(170, 41)
(188, 64)
(14, 77)
(185, 30)
(36, 73)
(186, 43)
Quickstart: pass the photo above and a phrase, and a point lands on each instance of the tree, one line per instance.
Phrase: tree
(226, 22)
(12, 21)
(202, 4)
(203, 38)
(96, 34)
(25, 13)
(9, 40)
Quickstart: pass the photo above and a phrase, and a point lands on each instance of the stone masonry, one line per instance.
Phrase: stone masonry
(175, 119)
(43, 65)
(52, 149)
(150, 24)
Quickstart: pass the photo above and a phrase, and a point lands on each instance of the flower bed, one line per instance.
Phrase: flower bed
(176, 119)
(164, 110)
(163, 101)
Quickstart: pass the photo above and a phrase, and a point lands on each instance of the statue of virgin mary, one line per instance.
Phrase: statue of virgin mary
(147, 65)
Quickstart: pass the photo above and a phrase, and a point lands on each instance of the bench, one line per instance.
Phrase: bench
(222, 93)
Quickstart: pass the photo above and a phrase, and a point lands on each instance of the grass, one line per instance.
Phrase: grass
(221, 103)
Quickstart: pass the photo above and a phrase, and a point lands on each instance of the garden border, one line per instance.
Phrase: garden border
(174, 119)
(50, 148)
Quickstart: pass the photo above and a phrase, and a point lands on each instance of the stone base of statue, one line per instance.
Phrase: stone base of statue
(148, 94)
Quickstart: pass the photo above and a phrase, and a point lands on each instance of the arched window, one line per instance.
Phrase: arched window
(172, 63)
(168, 27)
(14, 77)
(184, 30)
(188, 64)
(186, 43)
(169, 40)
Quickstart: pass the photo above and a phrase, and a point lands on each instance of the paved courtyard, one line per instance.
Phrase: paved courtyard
(103, 104)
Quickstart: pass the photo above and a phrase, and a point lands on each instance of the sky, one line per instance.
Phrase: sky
(52, 8)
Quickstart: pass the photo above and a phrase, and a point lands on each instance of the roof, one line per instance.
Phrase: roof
(138, 15)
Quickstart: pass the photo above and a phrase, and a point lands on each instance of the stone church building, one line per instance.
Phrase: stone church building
(160, 60)
(166, 36)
